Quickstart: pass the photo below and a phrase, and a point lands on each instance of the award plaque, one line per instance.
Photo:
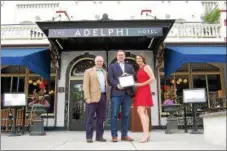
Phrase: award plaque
(126, 80)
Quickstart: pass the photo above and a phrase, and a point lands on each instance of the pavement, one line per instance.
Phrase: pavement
(75, 140)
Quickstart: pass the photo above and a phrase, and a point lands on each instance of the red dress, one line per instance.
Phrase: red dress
(143, 95)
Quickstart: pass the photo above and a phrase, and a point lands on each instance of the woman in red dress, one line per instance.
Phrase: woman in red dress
(143, 97)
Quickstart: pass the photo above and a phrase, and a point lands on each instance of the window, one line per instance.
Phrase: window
(13, 80)
(214, 82)
(5, 81)
(12, 84)
(167, 85)
(202, 75)
(81, 66)
(35, 85)
(181, 82)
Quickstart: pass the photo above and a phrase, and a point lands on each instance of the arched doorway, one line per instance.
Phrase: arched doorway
(75, 106)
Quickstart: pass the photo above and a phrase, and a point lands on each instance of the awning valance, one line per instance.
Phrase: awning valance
(176, 56)
(106, 34)
(35, 59)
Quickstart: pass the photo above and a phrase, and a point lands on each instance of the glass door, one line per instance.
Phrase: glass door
(76, 106)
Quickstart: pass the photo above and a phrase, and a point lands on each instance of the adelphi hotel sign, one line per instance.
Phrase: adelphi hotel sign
(105, 32)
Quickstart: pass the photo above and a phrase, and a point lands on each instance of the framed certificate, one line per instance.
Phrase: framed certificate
(126, 81)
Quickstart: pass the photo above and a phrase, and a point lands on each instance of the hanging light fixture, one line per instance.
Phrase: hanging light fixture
(172, 81)
(180, 80)
(30, 81)
(185, 80)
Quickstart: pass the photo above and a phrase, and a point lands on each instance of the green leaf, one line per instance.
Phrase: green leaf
(212, 16)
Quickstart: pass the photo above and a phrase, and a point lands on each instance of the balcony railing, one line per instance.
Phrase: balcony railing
(180, 32)
(195, 30)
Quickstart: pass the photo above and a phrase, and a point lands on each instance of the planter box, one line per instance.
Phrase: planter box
(215, 127)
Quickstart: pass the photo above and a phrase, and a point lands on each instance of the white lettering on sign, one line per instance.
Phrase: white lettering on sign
(105, 32)
(147, 31)
(95, 32)
(102, 34)
(77, 33)
(87, 32)
(110, 31)
(120, 32)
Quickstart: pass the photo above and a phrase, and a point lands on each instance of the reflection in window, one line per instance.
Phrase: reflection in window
(214, 85)
(81, 66)
(76, 101)
(181, 83)
(42, 87)
(167, 89)
(18, 84)
(5, 81)
(199, 81)
(214, 82)
(12, 84)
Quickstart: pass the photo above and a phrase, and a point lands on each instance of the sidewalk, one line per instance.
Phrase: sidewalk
(67, 140)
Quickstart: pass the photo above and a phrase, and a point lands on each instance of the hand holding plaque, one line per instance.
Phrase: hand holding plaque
(126, 80)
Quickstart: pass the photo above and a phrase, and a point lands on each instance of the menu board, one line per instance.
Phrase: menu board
(14, 99)
(194, 95)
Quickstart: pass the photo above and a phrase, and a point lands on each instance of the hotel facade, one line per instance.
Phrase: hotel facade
(73, 36)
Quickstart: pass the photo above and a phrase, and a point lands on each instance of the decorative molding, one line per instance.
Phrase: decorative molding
(38, 5)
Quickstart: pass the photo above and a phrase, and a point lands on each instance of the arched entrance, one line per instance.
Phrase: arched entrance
(75, 106)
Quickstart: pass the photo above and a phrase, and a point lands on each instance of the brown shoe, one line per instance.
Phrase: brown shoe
(127, 138)
(114, 139)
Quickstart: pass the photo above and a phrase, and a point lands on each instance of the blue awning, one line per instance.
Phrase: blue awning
(176, 56)
(35, 59)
